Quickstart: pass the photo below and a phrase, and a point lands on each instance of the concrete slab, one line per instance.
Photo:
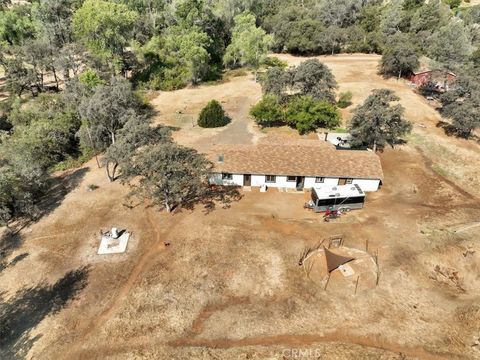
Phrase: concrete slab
(109, 245)
(337, 139)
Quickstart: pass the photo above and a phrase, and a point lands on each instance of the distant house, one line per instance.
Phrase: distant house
(295, 164)
(436, 80)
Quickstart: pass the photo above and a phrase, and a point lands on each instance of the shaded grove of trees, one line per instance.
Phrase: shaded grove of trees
(117, 122)
(166, 44)
(43, 134)
(94, 117)
(302, 97)
(328, 27)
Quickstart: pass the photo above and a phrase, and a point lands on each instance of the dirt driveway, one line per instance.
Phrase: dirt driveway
(180, 110)
(228, 286)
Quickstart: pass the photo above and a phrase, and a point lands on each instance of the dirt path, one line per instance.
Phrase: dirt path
(303, 341)
(143, 264)
(191, 339)
(459, 189)
(341, 336)
(294, 340)
(239, 131)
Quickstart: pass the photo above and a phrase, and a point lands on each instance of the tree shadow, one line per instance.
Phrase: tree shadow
(29, 306)
(173, 128)
(227, 120)
(213, 196)
(223, 195)
(274, 124)
(451, 130)
(400, 142)
(58, 188)
(9, 242)
(17, 259)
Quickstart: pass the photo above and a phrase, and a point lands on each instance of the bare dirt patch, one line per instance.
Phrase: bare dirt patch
(180, 109)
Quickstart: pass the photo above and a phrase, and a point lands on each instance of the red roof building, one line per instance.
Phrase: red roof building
(439, 80)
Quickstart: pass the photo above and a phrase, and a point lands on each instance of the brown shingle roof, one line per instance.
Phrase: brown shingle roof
(297, 158)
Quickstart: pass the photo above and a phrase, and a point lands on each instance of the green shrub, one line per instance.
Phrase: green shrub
(268, 112)
(344, 100)
(273, 61)
(159, 76)
(307, 114)
(212, 115)
(453, 3)
(73, 162)
(90, 78)
(232, 73)
(169, 79)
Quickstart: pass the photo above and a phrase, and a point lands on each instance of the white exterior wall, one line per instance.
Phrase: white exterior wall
(367, 184)
(237, 179)
(310, 182)
(258, 180)
(281, 182)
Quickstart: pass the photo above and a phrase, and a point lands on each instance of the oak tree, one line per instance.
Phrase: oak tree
(315, 79)
(167, 174)
(377, 122)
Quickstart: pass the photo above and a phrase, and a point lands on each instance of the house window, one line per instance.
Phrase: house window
(291, 178)
(226, 176)
(319, 180)
(270, 178)
(349, 181)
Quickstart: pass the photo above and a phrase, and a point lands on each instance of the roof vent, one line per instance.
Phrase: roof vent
(221, 158)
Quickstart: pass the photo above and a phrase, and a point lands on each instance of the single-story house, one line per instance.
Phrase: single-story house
(294, 164)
